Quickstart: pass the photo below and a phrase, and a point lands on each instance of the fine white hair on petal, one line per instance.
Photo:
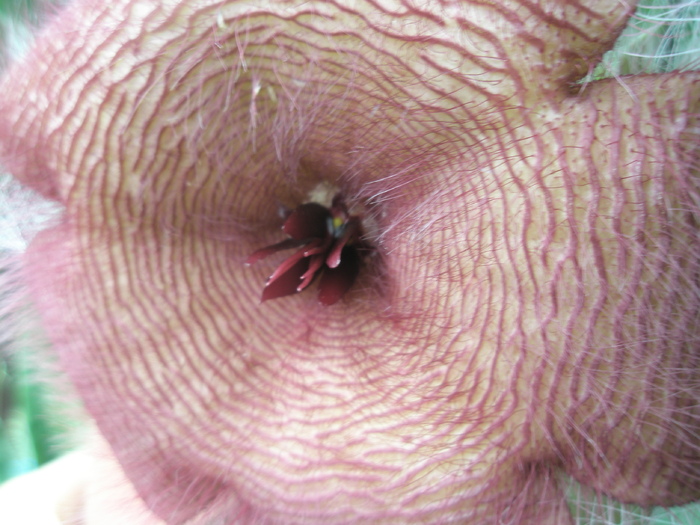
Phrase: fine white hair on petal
(662, 36)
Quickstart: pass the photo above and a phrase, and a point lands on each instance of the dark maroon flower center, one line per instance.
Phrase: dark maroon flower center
(329, 243)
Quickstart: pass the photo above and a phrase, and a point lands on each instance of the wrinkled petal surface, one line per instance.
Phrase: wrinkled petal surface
(539, 244)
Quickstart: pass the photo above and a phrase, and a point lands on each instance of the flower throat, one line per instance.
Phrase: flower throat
(330, 246)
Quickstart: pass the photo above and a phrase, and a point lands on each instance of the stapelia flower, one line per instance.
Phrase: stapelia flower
(328, 243)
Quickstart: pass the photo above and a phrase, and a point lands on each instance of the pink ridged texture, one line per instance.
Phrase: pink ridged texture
(532, 309)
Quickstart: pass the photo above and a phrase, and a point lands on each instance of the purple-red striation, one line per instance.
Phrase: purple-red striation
(536, 313)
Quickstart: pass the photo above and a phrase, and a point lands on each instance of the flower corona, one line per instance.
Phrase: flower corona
(329, 244)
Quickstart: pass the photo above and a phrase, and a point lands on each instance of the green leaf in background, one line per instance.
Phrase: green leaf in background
(18, 9)
(37, 423)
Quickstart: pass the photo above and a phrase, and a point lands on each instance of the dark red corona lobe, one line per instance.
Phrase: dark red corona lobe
(329, 244)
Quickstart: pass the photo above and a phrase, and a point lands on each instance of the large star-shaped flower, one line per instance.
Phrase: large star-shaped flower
(535, 317)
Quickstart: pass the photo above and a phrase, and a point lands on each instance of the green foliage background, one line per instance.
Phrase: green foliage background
(663, 36)
(19, 9)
